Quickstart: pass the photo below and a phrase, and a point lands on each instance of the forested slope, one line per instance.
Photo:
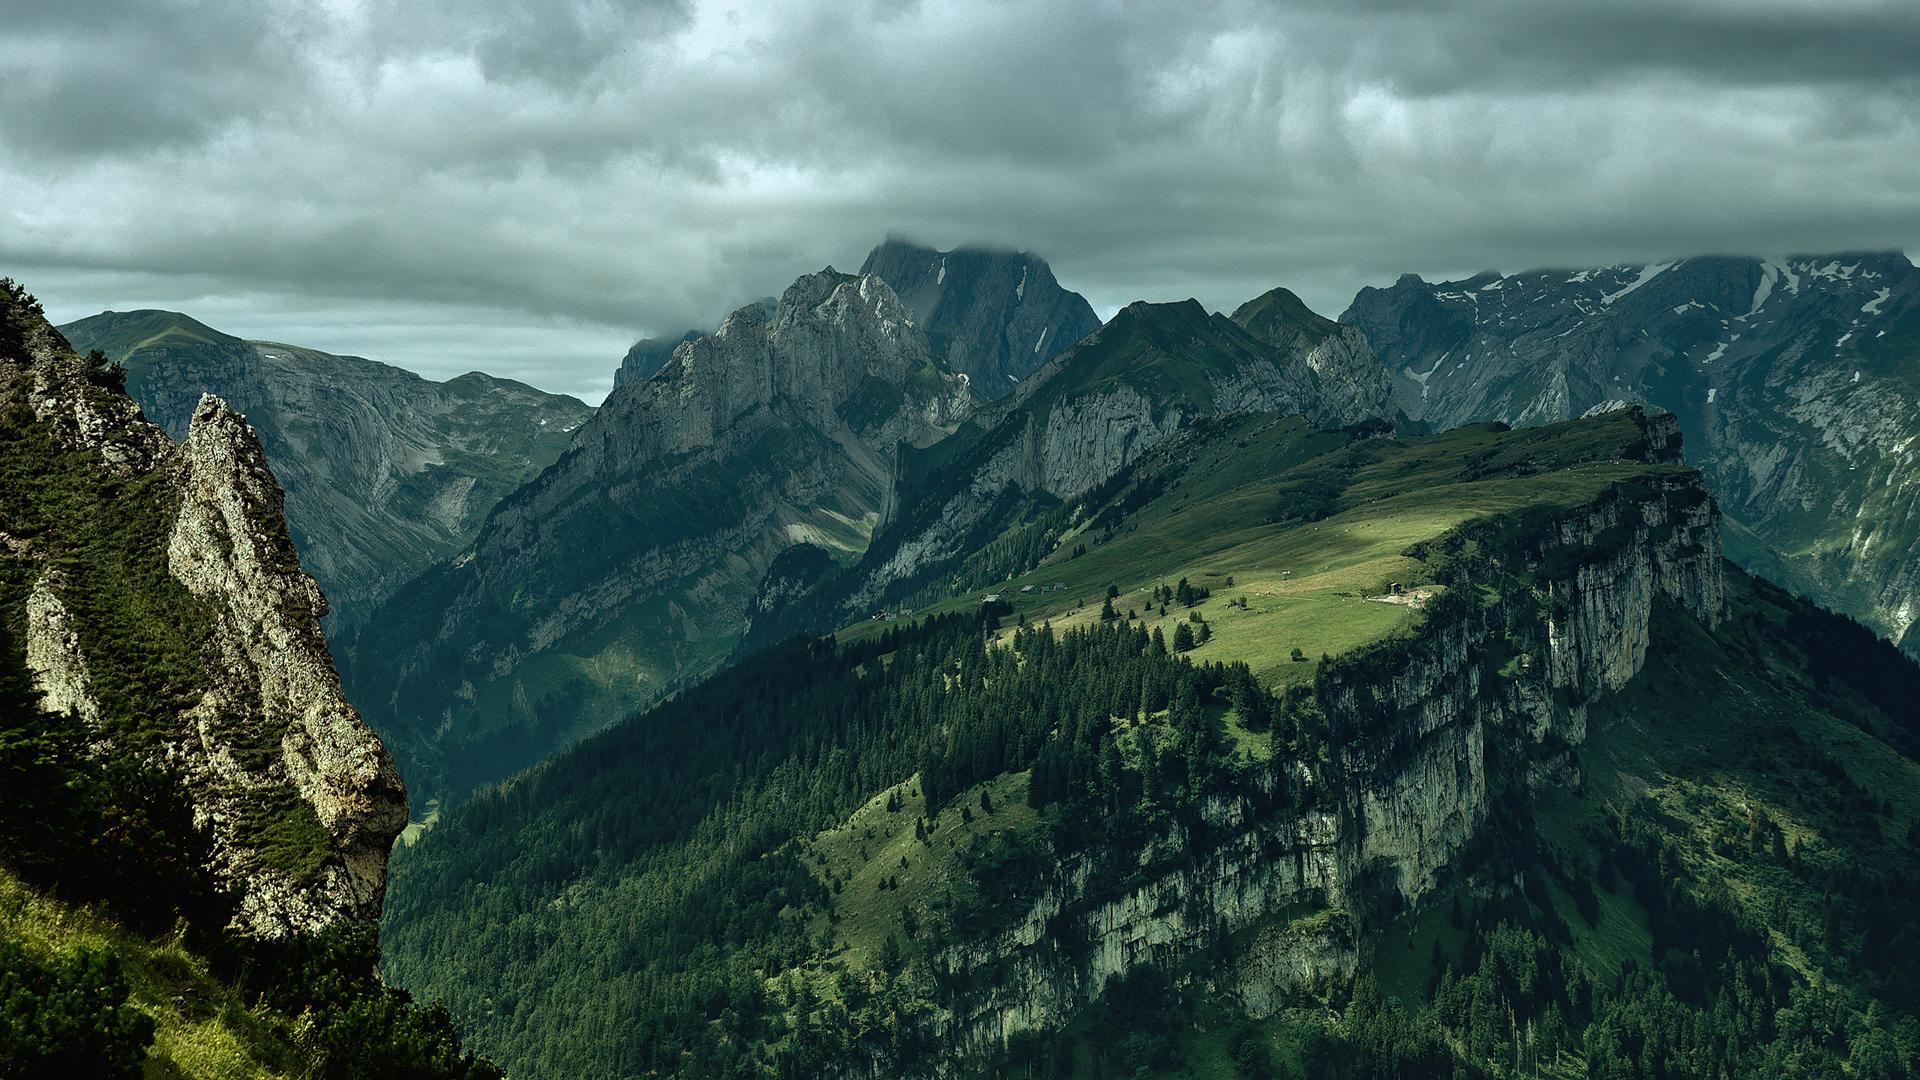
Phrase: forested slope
(1207, 798)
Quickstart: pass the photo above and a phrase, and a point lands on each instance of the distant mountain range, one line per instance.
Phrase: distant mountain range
(386, 473)
(1796, 382)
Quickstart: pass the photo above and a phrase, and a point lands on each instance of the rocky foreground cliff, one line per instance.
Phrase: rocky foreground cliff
(160, 601)
(1793, 379)
(385, 472)
(625, 569)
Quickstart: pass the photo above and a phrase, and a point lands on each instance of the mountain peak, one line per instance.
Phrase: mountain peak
(991, 314)
(120, 334)
(1278, 313)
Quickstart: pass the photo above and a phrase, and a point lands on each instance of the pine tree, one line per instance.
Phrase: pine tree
(1182, 637)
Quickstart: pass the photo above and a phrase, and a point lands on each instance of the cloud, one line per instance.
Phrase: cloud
(520, 181)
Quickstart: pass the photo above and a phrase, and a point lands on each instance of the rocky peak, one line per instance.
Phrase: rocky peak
(992, 315)
(298, 795)
(834, 336)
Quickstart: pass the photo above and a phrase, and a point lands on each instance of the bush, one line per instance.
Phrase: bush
(69, 1017)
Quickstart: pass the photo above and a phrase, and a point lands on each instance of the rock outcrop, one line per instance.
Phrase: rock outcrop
(299, 797)
(1301, 852)
(1794, 380)
(627, 568)
(993, 316)
(385, 472)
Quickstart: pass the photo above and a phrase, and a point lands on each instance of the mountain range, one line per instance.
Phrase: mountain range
(1793, 379)
(386, 473)
(1239, 695)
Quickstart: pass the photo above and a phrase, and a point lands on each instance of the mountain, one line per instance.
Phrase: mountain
(625, 568)
(1303, 752)
(649, 355)
(993, 316)
(1148, 373)
(194, 834)
(385, 472)
(1794, 381)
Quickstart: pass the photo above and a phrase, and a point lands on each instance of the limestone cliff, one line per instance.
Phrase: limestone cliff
(165, 606)
(993, 316)
(1299, 853)
(627, 568)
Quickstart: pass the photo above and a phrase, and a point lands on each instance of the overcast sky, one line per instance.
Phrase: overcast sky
(524, 186)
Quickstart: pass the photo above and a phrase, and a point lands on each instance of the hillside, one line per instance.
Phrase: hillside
(385, 472)
(624, 570)
(1794, 380)
(194, 836)
(1197, 787)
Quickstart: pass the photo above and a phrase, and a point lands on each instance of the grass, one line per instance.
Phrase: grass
(868, 848)
(201, 1026)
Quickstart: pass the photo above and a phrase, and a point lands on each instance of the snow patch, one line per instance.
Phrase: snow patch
(941, 278)
(1647, 273)
(1720, 350)
(1856, 376)
(1020, 290)
(1042, 341)
(1843, 339)
(1776, 270)
(1872, 307)
(1712, 392)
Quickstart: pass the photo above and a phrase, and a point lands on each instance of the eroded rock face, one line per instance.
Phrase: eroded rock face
(230, 548)
(271, 737)
(1794, 380)
(1393, 810)
(993, 316)
(628, 567)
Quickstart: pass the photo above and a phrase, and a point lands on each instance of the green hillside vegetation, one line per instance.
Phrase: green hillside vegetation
(1727, 893)
(123, 336)
(752, 878)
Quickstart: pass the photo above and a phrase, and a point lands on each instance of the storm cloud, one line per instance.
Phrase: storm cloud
(524, 186)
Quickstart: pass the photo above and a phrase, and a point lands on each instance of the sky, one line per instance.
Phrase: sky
(526, 186)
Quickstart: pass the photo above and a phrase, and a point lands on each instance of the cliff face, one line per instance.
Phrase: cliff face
(180, 553)
(1147, 374)
(993, 316)
(1300, 852)
(385, 472)
(1793, 379)
(627, 568)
